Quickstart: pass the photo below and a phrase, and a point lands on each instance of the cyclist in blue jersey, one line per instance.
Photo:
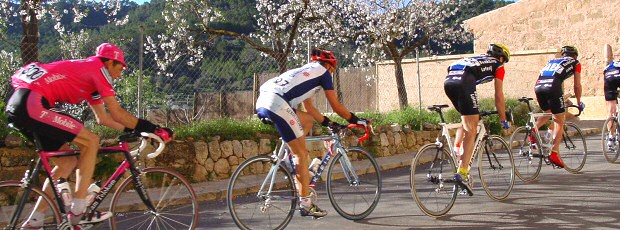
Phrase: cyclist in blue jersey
(549, 93)
(612, 82)
(460, 87)
(280, 96)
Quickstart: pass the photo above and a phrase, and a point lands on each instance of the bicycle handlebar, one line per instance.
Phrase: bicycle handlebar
(335, 129)
(144, 142)
(578, 109)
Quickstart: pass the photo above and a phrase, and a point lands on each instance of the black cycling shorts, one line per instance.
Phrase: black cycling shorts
(461, 89)
(29, 112)
(551, 98)
(611, 87)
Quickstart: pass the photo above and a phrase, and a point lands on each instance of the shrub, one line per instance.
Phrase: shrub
(226, 128)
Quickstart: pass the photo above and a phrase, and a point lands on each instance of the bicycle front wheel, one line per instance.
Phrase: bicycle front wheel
(261, 194)
(431, 191)
(12, 194)
(527, 156)
(174, 202)
(573, 149)
(609, 139)
(354, 183)
(495, 166)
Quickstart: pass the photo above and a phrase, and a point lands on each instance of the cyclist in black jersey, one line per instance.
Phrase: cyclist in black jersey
(612, 82)
(460, 87)
(549, 93)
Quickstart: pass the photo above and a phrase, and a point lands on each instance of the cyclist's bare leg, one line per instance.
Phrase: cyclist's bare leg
(88, 142)
(298, 147)
(458, 138)
(470, 123)
(543, 119)
(558, 123)
(611, 110)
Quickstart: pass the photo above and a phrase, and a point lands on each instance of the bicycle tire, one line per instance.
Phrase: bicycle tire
(573, 148)
(344, 193)
(171, 194)
(432, 197)
(496, 168)
(242, 195)
(11, 193)
(527, 161)
(610, 147)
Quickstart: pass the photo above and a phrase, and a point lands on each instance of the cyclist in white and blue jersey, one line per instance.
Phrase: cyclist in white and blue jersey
(460, 87)
(550, 94)
(280, 96)
(611, 84)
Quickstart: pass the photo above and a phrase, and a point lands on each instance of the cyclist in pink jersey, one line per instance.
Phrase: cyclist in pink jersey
(38, 87)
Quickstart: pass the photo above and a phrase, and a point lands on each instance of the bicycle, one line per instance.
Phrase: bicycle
(263, 188)
(150, 198)
(610, 138)
(435, 193)
(531, 155)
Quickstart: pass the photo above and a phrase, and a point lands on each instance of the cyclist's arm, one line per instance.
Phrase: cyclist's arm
(332, 98)
(119, 114)
(500, 102)
(104, 118)
(313, 111)
(577, 87)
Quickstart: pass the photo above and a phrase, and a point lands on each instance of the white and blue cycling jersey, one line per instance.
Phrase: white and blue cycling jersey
(280, 95)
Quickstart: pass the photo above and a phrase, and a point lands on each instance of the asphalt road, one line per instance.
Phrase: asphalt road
(557, 199)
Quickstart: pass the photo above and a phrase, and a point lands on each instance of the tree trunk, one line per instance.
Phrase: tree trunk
(400, 83)
(30, 32)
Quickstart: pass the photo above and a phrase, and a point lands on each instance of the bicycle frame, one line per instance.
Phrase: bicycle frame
(31, 175)
(283, 153)
(481, 133)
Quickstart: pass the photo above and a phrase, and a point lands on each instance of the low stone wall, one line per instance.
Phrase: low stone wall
(216, 159)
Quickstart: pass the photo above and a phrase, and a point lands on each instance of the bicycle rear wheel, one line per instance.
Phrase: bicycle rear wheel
(527, 156)
(174, 200)
(609, 138)
(431, 191)
(354, 199)
(495, 167)
(254, 209)
(12, 193)
(573, 149)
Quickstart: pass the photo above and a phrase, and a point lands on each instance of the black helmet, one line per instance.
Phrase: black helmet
(499, 50)
(570, 51)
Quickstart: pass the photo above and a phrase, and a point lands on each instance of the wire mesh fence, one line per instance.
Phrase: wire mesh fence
(223, 84)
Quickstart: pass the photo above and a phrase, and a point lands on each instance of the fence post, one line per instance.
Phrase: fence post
(254, 91)
(417, 61)
(140, 66)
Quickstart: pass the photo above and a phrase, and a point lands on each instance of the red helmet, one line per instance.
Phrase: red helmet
(323, 55)
(109, 51)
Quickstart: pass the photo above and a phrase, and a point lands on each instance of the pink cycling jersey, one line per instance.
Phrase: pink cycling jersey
(70, 81)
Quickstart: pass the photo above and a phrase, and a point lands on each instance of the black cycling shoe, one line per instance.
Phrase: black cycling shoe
(313, 211)
(463, 182)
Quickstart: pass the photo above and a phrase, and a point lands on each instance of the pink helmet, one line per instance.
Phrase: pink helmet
(109, 51)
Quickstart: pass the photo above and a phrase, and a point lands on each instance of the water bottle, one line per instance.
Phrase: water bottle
(314, 166)
(93, 190)
(65, 193)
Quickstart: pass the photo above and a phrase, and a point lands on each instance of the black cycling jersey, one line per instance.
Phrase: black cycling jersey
(484, 68)
(556, 71)
(612, 81)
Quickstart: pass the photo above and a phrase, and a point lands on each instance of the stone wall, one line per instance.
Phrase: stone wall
(217, 159)
(521, 75)
(549, 24)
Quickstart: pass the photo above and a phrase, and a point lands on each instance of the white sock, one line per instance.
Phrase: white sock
(305, 201)
(78, 206)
